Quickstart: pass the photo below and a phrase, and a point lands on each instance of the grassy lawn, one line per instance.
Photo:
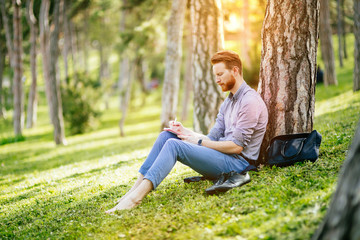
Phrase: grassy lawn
(49, 192)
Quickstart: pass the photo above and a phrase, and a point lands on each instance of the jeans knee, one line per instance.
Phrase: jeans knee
(166, 135)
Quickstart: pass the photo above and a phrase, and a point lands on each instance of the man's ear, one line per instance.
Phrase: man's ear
(236, 70)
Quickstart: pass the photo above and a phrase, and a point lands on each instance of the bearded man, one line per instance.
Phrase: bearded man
(227, 153)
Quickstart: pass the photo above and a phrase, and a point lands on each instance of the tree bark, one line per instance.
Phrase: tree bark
(342, 220)
(357, 45)
(208, 38)
(18, 71)
(32, 102)
(54, 82)
(172, 62)
(327, 51)
(339, 32)
(188, 86)
(288, 66)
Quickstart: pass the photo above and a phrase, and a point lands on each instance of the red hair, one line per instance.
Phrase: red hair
(229, 58)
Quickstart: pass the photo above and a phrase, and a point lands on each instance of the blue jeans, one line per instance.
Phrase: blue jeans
(168, 148)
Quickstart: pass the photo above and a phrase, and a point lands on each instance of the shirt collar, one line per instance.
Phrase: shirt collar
(239, 92)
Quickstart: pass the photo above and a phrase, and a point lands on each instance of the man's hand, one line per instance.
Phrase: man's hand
(190, 139)
(178, 127)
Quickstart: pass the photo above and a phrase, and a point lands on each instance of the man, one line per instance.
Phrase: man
(232, 143)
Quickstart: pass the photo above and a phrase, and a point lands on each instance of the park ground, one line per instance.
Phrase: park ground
(49, 192)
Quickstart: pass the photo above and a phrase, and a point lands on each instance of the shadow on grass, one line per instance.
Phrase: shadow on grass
(21, 166)
(35, 189)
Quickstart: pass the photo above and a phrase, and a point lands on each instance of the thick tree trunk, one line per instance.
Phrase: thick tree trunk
(188, 86)
(246, 36)
(18, 71)
(288, 66)
(327, 51)
(54, 82)
(357, 45)
(32, 102)
(339, 32)
(172, 62)
(208, 38)
(342, 220)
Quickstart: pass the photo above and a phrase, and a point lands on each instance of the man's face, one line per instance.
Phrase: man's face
(224, 77)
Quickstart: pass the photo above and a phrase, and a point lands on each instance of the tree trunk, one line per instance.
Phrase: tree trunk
(86, 40)
(2, 64)
(32, 102)
(54, 82)
(326, 45)
(18, 71)
(208, 38)
(67, 39)
(343, 24)
(125, 94)
(246, 36)
(288, 66)
(74, 48)
(172, 62)
(342, 220)
(339, 32)
(188, 87)
(44, 47)
(357, 45)
(10, 48)
(9, 41)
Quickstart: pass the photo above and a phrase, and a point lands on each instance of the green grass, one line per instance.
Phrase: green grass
(49, 192)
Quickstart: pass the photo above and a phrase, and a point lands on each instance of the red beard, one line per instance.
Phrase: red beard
(229, 84)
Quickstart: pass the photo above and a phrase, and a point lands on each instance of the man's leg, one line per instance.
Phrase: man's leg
(158, 145)
(156, 149)
(206, 161)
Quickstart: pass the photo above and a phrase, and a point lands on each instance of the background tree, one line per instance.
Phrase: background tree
(172, 62)
(208, 38)
(342, 219)
(32, 102)
(2, 66)
(288, 66)
(339, 31)
(188, 82)
(357, 45)
(49, 49)
(327, 51)
(18, 116)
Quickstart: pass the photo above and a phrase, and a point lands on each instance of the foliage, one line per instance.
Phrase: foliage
(80, 98)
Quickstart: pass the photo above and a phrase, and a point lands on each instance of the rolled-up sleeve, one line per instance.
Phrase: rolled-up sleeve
(246, 122)
(217, 131)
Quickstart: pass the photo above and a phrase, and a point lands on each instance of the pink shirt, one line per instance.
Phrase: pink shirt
(242, 119)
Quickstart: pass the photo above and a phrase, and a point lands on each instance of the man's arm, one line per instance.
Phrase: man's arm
(228, 147)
